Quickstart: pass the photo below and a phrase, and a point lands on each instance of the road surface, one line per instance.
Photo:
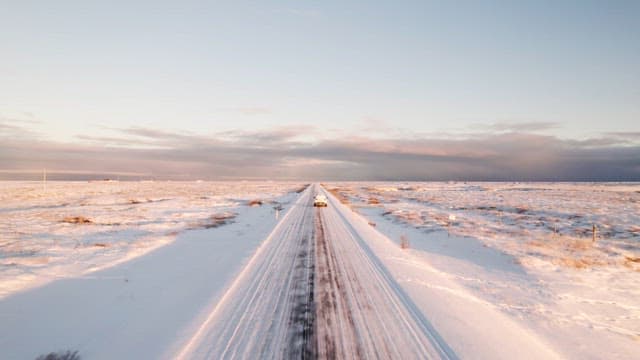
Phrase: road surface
(315, 290)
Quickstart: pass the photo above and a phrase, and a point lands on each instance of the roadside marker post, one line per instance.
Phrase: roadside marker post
(452, 218)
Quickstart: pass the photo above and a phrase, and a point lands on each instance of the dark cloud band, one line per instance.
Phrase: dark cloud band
(282, 154)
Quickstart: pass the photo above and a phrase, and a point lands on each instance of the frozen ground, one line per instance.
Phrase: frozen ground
(190, 270)
(314, 289)
(74, 228)
(525, 249)
(140, 308)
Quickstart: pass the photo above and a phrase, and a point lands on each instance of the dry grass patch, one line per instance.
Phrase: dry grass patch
(572, 252)
(563, 243)
(404, 242)
(412, 217)
(77, 220)
(219, 219)
(632, 262)
(578, 244)
(339, 194)
(579, 262)
(373, 201)
(255, 202)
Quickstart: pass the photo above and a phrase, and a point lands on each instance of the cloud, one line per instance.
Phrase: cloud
(276, 135)
(288, 152)
(530, 126)
(632, 135)
(10, 129)
(6, 128)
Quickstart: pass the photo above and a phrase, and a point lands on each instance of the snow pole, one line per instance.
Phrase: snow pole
(452, 218)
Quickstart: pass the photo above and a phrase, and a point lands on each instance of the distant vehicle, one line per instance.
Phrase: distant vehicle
(320, 201)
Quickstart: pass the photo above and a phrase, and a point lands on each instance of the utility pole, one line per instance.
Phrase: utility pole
(44, 180)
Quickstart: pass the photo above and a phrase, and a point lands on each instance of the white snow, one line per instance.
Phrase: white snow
(127, 220)
(496, 270)
(360, 312)
(142, 307)
(524, 249)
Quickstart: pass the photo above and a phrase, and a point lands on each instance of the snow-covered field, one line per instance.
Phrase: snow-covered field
(526, 249)
(73, 228)
(190, 269)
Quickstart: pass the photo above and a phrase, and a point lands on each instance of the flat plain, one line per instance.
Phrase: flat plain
(388, 269)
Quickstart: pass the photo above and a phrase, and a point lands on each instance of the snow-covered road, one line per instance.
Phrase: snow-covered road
(315, 283)
(266, 311)
(314, 288)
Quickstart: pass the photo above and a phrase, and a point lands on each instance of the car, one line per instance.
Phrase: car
(320, 201)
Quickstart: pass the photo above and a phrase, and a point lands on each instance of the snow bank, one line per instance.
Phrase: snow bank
(526, 249)
(73, 228)
(145, 308)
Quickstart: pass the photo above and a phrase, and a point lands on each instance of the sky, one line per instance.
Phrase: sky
(349, 90)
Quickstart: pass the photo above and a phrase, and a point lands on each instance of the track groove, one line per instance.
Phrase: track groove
(315, 290)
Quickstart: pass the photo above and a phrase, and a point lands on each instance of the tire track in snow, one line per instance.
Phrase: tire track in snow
(302, 318)
(315, 290)
(268, 311)
(362, 311)
(332, 336)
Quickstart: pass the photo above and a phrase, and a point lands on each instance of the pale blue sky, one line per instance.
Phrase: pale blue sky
(422, 66)
(73, 71)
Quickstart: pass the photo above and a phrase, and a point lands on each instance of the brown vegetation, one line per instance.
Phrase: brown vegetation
(404, 241)
(632, 262)
(255, 202)
(580, 262)
(572, 252)
(219, 219)
(338, 193)
(76, 220)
